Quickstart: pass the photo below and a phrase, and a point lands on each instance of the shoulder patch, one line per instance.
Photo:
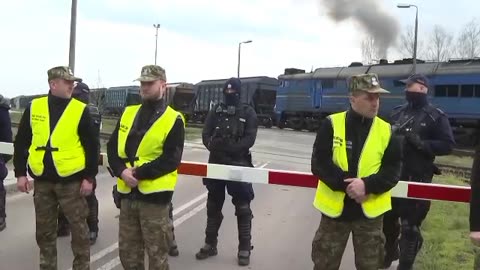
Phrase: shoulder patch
(440, 111)
(433, 112)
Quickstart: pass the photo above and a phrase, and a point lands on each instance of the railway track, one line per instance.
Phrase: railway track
(458, 171)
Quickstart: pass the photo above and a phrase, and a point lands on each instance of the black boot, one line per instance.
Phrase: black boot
(3, 224)
(173, 248)
(244, 221)
(93, 237)
(392, 253)
(173, 251)
(214, 220)
(206, 251)
(410, 244)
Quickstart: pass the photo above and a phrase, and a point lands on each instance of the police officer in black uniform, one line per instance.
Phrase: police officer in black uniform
(82, 93)
(229, 132)
(5, 136)
(426, 133)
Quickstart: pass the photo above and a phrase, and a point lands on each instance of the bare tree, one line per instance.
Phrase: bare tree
(407, 43)
(468, 42)
(440, 44)
(97, 96)
(369, 50)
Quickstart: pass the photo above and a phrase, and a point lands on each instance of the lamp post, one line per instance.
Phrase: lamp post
(73, 33)
(239, 46)
(156, 40)
(416, 34)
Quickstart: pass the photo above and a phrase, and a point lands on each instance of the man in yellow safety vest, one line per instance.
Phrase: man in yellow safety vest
(57, 141)
(358, 162)
(144, 152)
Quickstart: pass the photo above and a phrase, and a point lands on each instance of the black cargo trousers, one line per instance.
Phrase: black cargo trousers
(242, 194)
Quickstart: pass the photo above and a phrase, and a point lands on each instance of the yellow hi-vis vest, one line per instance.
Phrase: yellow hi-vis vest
(67, 151)
(150, 148)
(331, 202)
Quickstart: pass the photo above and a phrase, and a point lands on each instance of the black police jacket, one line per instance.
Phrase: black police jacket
(5, 126)
(426, 133)
(229, 133)
(96, 118)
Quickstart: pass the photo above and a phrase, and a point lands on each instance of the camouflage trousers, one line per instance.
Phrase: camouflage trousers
(331, 239)
(47, 196)
(143, 226)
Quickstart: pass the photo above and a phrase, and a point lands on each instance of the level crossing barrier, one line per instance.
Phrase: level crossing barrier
(411, 190)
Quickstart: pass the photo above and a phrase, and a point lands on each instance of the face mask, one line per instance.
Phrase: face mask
(416, 98)
(232, 99)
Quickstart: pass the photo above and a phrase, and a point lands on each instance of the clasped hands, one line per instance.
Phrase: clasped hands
(356, 189)
(127, 176)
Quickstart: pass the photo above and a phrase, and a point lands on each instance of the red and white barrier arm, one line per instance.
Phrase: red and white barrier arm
(403, 189)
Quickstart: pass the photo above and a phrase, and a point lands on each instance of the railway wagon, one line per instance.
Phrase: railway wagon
(180, 96)
(116, 98)
(259, 92)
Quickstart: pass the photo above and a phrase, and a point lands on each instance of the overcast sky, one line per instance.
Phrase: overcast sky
(198, 39)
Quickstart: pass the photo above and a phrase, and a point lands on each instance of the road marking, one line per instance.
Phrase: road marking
(116, 262)
(178, 210)
(264, 164)
(111, 264)
(102, 253)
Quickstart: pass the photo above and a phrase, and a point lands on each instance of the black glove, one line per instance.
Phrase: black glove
(216, 143)
(414, 140)
(116, 197)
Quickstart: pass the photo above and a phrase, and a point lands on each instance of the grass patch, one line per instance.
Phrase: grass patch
(446, 243)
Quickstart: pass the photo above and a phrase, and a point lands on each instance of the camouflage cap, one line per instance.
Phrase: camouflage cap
(152, 73)
(366, 82)
(61, 72)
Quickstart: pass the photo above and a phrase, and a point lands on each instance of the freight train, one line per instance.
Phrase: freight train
(194, 101)
(259, 92)
(303, 99)
(113, 100)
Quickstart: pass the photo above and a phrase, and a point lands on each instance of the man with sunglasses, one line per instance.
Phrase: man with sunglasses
(426, 133)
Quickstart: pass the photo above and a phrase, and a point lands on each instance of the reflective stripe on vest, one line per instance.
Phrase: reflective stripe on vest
(150, 148)
(331, 202)
(67, 151)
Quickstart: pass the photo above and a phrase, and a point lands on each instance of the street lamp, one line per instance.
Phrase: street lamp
(156, 40)
(416, 34)
(239, 46)
(73, 33)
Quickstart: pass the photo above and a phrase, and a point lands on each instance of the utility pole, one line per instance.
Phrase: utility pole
(239, 49)
(73, 33)
(156, 40)
(414, 69)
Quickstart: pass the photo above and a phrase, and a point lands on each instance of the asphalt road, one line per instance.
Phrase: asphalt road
(283, 226)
